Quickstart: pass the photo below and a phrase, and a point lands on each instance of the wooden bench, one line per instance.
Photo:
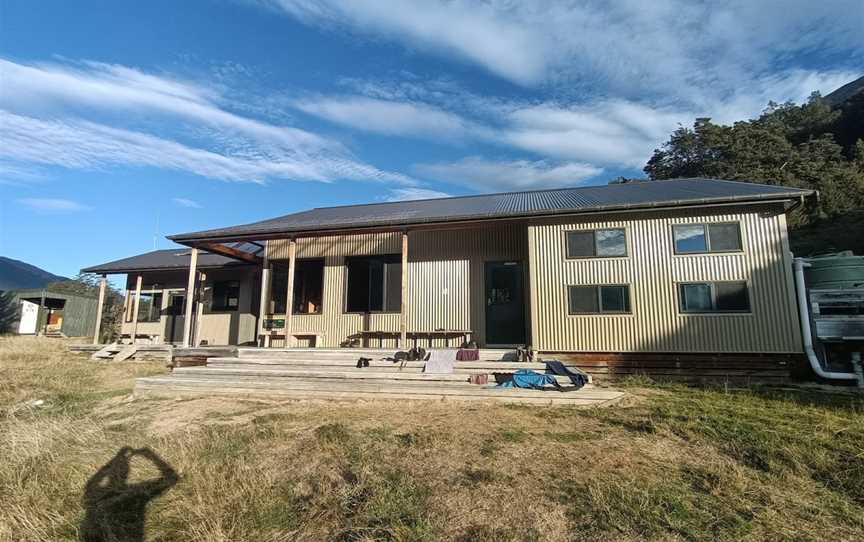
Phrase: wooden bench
(317, 337)
(415, 336)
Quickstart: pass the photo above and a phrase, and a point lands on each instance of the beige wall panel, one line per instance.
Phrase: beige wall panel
(445, 278)
(652, 270)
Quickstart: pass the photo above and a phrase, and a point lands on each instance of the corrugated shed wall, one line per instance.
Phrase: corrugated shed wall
(79, 317)
(445, 277)
(652, 270)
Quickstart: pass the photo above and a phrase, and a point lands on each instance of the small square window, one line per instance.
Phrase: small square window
(580, 244)
(611, 243)
(724, 237)
(732, 296)
(614, 299)
(696, 297)
(690, 238)
(583, 299)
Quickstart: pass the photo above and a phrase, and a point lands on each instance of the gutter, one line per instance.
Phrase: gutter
(798, 264)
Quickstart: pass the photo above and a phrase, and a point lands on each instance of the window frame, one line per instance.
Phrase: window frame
(390, 259)
(593, 232)
(708, 250)
(323, 283)
(597, 288)
(711, 286)
(153, 294)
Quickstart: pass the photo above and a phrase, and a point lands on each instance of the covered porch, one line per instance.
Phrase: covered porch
(431, 286)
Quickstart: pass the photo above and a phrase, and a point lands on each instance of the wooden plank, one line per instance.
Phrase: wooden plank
(126, 353)
(106, 352)
(135, 308)
(231, 252)
(99, 305)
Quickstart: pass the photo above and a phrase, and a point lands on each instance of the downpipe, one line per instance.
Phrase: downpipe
(798, 266)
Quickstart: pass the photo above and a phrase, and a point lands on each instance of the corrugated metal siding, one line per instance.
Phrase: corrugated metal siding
(445, 277)
(653, 271)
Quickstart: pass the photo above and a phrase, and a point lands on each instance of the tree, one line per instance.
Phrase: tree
(788, 144)
(8, 312)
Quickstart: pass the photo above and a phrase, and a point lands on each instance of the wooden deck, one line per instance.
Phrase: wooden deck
(331, 374)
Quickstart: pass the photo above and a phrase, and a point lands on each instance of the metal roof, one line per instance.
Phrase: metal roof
(160, 260)
(587, 199)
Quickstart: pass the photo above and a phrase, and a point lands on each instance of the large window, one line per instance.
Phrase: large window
(226, 295)
(374, 284)
(150, 307)
(308, 287)
(713, 297)
(703, 238)
(606, 299)
(596, 243)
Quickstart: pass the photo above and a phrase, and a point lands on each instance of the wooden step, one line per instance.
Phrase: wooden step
(351, 390)
(354, 353)
(356, 374)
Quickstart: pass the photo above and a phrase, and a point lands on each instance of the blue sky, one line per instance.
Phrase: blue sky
(121, 122)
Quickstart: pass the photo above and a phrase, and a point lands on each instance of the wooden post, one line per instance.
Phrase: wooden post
(403, 306)
(190, 298)
(199, 310)
(289, 302)
(135, 306)
(99, 305)
(264, 306)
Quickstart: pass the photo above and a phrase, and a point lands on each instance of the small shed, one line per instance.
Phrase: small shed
(42, 311)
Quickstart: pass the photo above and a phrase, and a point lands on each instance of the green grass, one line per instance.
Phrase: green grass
(678, 463)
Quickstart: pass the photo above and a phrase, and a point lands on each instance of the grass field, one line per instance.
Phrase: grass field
(670, 463)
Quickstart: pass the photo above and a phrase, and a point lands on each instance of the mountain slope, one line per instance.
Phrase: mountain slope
(15, 274)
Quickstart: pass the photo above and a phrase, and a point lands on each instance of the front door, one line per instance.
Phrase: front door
(505, 303)
(174, 321)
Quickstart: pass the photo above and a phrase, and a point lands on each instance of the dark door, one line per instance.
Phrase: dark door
(505, 303)
(174, 322)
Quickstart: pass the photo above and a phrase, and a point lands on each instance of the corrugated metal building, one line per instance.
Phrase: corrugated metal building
(43, 311)
(683, 266)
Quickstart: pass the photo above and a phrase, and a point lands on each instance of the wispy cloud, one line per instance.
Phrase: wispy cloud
(54, 114)
(387, 116)
(184, 202)
(487, 175)
(53, 205)
(413, 193)
(667, 46)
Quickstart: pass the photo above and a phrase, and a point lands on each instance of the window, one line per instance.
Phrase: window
(374, 284)
(611, 299)
(707, 297)
(150, 307)
(308, 286)
(226, 295)
(596, 243)
(702, 238)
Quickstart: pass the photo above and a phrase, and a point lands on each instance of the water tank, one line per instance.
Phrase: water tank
(835, 272)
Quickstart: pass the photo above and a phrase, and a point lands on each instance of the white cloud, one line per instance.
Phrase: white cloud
(85, 145)
(387, 117)
(471, 30)
(184, 202)
(667, 46)
(413, 193)
(488, 175)
(53, 205)
(53, 115)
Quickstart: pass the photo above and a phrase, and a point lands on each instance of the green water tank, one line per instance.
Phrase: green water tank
(835, 272)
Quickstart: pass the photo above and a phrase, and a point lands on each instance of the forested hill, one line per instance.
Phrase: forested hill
(818, 145)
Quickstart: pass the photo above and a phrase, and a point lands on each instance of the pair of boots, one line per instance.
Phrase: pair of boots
(363, 362)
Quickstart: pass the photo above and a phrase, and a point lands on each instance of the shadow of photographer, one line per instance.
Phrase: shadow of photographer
(115, 508)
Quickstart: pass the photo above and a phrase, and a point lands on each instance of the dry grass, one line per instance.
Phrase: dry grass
(677, 464)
